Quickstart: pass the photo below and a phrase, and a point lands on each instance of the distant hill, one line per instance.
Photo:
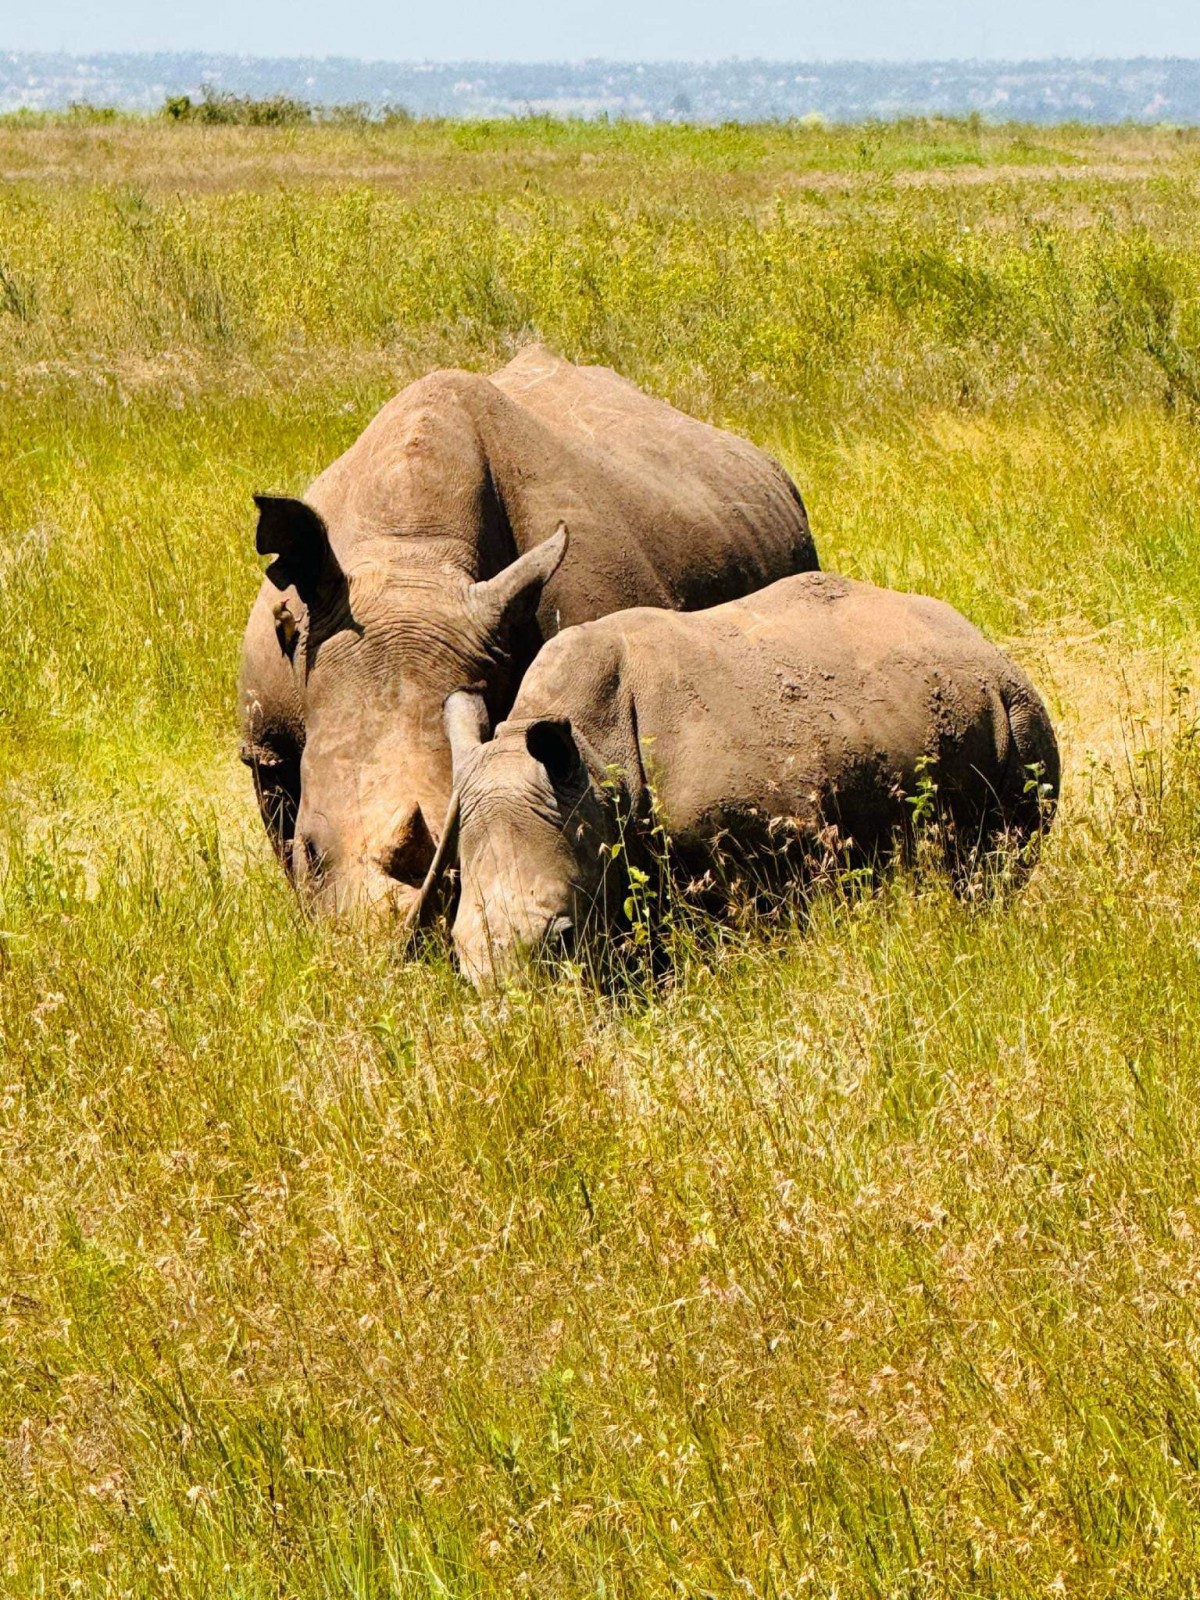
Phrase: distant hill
(1034, 91)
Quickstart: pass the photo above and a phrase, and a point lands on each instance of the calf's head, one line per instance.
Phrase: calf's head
(533, 829)
(376, 647)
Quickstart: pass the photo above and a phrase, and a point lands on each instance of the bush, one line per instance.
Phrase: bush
(85, 111)
(219, 106)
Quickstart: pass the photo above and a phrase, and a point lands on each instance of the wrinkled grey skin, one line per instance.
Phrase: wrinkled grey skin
(535, 837)
(425, 560)
(769, 732)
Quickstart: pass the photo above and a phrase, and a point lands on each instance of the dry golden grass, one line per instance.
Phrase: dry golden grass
(862, 1259)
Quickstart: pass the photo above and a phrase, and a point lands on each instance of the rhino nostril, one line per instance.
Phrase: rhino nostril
(408, 856)
(560, 937)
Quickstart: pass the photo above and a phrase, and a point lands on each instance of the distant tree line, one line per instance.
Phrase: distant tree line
(221, 107)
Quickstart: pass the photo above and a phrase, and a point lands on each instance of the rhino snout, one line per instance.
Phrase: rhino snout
(341, 878)
(490, 954)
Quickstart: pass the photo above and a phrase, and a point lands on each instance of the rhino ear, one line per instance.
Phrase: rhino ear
(294, 533)
(551, 742)
(512, 596)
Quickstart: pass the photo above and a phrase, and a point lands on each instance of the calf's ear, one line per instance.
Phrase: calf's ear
(551, 742)
(296, 535)
(512, 596)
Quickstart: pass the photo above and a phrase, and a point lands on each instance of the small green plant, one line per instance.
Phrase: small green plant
(16, 298)
(923, 801)
(83, 111)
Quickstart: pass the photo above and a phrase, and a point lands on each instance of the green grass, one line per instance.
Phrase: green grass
(860, 1261)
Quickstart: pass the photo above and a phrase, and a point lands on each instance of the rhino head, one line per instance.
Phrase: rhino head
(376, 647)
(532, 824)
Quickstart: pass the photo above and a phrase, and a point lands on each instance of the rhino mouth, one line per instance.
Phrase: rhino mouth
(494, 962)
(558, 941)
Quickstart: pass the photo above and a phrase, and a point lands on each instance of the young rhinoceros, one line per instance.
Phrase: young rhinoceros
(818, 713)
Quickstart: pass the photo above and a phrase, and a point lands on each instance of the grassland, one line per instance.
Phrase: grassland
(864, 1261)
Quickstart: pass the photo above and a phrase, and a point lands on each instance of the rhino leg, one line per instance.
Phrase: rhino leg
(1030, 784)
(1008, 800)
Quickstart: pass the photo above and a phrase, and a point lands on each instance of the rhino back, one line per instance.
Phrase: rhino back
(814, 693)
(663, 510)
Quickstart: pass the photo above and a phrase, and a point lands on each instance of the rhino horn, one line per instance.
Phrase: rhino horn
(466, 722)
(512, 596)
(430, 896)
(465, 719)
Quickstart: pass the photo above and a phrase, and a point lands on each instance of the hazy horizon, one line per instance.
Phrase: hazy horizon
(739, 90)
(691, 31)
(698, 62)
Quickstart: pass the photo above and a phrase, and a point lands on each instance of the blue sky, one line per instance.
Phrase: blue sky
(538, 30)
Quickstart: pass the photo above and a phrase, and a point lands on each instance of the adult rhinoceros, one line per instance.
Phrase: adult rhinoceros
(426, 559)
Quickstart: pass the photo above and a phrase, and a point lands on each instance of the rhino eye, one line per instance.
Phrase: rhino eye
(286, 628)
(314, 858)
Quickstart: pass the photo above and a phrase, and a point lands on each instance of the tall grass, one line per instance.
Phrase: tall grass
(857, 1261)
(872, 301)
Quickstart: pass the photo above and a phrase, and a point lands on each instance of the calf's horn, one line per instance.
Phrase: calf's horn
(465, 719)
(429, 898)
